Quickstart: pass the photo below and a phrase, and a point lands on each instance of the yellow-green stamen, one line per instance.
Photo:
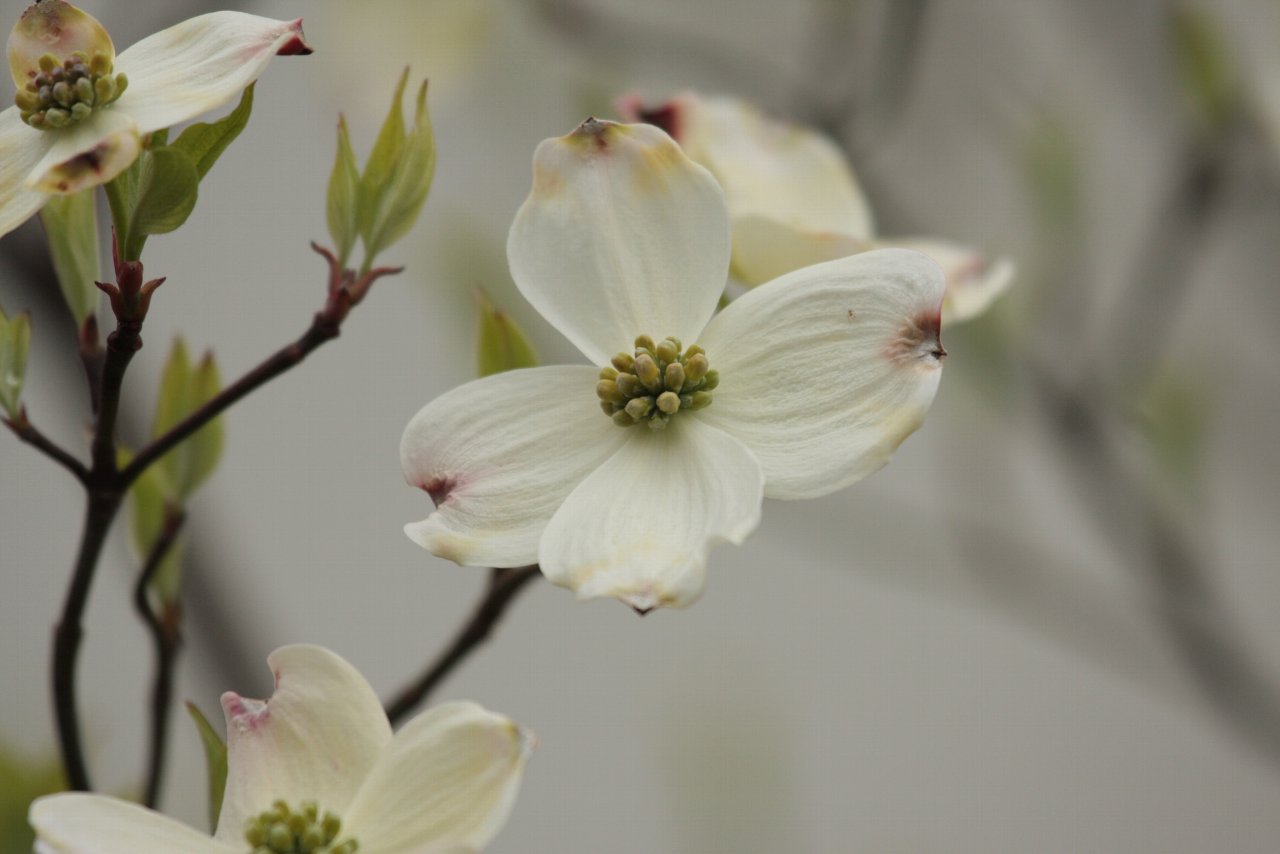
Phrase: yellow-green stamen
(655, 382)
(64, 93)
(281, 830)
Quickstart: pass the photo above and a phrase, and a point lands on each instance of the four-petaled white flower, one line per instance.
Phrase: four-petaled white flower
(800, 387)
(794, 201)
(320, 754)
(82, 111)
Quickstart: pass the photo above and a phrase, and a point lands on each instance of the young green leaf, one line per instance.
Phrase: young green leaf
(15, 340)
(149, 510)
(183, 390)
(343, 197)
(215, 758)
(502, 346)
(168, 192)
(71, 225)
(380, 168)
(409, 183)
(204, 142)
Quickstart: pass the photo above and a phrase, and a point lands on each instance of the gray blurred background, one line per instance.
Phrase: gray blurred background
(1049, 625)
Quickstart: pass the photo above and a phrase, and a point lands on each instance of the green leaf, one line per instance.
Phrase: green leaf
(215, 757)
(382, 163)
(15, 340)
(204, 142)
(71, 224)
(153, 196)
(183, 390)
(343, 197)
(167, 193)
(410, 182)
(149, 509)
(502, 346)
(21, 782)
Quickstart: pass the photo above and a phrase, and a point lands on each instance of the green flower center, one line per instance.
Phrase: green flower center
(281, 830)
(655, 382)
(64, 93)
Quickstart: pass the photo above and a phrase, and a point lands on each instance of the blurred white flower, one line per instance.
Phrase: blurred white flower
(794, 201)
(81, 111)
(317, 765)
(798, 388)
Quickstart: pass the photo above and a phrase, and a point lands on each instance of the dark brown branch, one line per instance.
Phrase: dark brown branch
(105, 493)
(166, 635)
(504, 585)
(27, 432)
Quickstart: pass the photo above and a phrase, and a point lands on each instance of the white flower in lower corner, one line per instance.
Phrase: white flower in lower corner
(320, 755)
(794, 201)
(81, 111)
(800, 387)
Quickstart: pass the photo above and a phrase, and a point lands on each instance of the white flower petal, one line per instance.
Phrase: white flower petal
(640, 527)
(55, 27)
(448, 779)
(314, 740)
(825, 371)
(765, 248)
(622, 235)
(199, 64)
(86, 154)
(974, 281)
(21, 148)
(499, 455)
(782, 172)
(82, 823)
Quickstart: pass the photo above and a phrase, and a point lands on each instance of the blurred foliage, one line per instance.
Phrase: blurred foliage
(501, 345)
(15, 340)
(1208, 78)
(21, 782)
(71, 225)
(1174, 415)
(165, 487)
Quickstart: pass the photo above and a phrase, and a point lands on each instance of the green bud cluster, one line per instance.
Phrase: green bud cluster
(64, 93)
(281, 830)
(655, 382)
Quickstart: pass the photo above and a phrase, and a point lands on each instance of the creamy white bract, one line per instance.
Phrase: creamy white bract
(321, 746)
(818, 377)
(794, 201)
(167, 78)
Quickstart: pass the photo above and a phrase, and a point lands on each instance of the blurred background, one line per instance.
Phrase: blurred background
(1049, 625)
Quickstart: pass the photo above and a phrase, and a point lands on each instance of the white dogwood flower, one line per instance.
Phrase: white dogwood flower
(81, 111)
(316, 768)
(800, 387)
(794, 201)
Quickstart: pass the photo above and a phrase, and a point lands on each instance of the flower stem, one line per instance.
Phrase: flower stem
(167, 638)
(504, 585)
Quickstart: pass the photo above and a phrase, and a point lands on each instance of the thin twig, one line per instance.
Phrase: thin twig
(27, 432)
(504, 585)
(105, 493)
(107, 484)
(166, 635)
(344, 292)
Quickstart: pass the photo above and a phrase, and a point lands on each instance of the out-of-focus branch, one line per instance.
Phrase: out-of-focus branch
(165, 627)
(27, 432)
(504, 585)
